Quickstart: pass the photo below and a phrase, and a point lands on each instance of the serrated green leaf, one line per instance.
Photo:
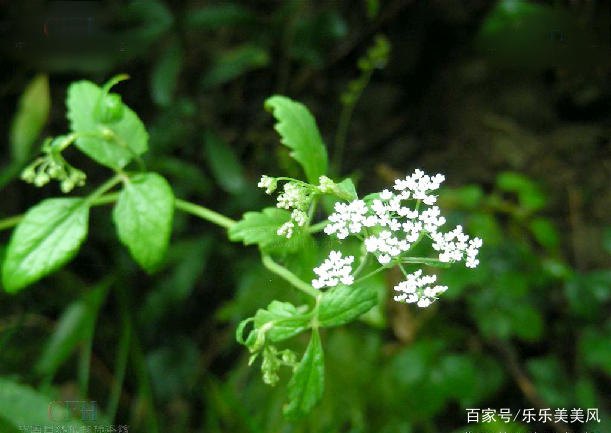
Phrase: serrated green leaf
(20, 405)
(259, 228)
(49, 236)
(143, 217)
(299, 132)
(224, 163)
(31, 116)
(343, 304)
(132, 138)
(307, 385)
(283, 319)
(73, 326)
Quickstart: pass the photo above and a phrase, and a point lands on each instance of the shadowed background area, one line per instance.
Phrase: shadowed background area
(510, 100)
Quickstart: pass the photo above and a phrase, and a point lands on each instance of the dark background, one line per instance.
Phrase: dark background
(510, 100)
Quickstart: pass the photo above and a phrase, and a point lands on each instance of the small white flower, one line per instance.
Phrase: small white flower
(347, 218)
(334, 270)
(455, 246)
(286, 229)
(326, 185)
(384, 258)
(386, 195)
(417, 289)
(300, 217)
(269, 183)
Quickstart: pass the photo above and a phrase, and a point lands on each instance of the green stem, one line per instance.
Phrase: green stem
(105, 199)
(85, 361)
(402, 269)
(10, 222)
(426, 261)
(344, 123)
(283, 272)
(311, 211)
(122, 357)
(109, 184)
(315, 228)
(204, 213)
(144, 383)
(380, 269)
(98, 198)
(364, 258)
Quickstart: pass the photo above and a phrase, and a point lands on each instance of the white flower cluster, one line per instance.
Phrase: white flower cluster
(269, 183)
(334, 270)
(455, 246)
(296, 196)
(401, 225)
(417, 289)
(418, 185)
(326, 185)
(389, 228)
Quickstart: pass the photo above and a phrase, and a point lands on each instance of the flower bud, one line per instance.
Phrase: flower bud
(108, 109)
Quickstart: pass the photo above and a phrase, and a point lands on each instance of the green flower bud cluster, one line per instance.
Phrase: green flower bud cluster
(273, 359)
(53, 166)
(297, 196)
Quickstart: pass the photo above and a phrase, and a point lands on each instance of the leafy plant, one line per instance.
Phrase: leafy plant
(387, 226)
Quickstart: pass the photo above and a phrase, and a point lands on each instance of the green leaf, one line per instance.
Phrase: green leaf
(143, 217)
(224, 163)
(458, 373)
(21, 405)
(49, 236)
(130, 136)
(221, 15)
(31, 116)
(73, 326)
(260, 228)
(550, 379)
(283, 319)
(527, 322)
(467, 197)
(299, 132)
(530, 195)
(166, 71)
(234, 63)
(545, 233)
(595, 349)
(588, 294)
(347, 190)
(343, 304)
(306, 387)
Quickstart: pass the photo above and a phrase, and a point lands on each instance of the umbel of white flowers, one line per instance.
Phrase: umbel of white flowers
(389, 224)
